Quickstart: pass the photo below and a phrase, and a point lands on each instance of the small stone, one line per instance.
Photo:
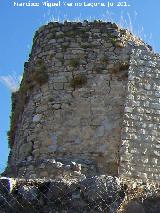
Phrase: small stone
(128, 109)
(57, 106)
(37, 118)
(147, 86)
(58, 164)
(29, 158)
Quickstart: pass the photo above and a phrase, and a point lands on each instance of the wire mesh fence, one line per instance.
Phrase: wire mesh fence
(91, 195)
(95, 194)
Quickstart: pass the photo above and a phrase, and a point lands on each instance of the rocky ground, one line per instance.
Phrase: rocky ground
(95, 194)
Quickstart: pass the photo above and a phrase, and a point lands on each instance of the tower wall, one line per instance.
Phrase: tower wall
(67, 116)
(140, 150)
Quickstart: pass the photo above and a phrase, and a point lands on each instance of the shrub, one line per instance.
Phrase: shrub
(74, 62)
(97, 22)
(120, 69)
(120, 66)
(51, 56)
(124, 66)
(78, 81)
(113, 41)
(18, 102)
(116, 42)
(39, 74)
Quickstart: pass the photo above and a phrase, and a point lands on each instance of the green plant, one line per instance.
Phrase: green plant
(97, 22)
(116, 42)
(74, 62)
(40, 77)
(81, 31)
(51, 56)
(50, 99)
(113, 40)
(120, 66)
(39, 74)
(18, 101)
(78, 80)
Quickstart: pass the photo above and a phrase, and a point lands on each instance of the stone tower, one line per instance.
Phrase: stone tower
(71, 109)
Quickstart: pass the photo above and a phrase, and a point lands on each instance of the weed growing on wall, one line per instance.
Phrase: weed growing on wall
(78, 81)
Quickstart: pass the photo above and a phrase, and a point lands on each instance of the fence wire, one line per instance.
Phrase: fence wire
(98, 194)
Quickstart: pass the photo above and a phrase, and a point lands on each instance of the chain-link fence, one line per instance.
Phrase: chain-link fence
(96, 194)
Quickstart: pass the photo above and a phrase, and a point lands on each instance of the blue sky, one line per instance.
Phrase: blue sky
(18, 25)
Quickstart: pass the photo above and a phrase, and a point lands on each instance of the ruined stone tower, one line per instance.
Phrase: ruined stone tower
(88, 104)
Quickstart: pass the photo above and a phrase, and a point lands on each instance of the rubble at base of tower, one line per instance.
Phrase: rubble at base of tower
(96, 194)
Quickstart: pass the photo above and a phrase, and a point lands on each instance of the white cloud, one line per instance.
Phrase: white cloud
(11, 81)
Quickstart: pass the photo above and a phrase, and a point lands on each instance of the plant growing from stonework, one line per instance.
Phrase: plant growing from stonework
(18, 101)
(116, 42)
(124, 66)
(113, 40)
(97, 22)
(78, 81)
(120, 66)
(51, 56)
(39, 73)
(74, 62)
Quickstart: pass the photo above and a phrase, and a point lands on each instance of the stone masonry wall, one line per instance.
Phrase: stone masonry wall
(140, 149)
(73, 94)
